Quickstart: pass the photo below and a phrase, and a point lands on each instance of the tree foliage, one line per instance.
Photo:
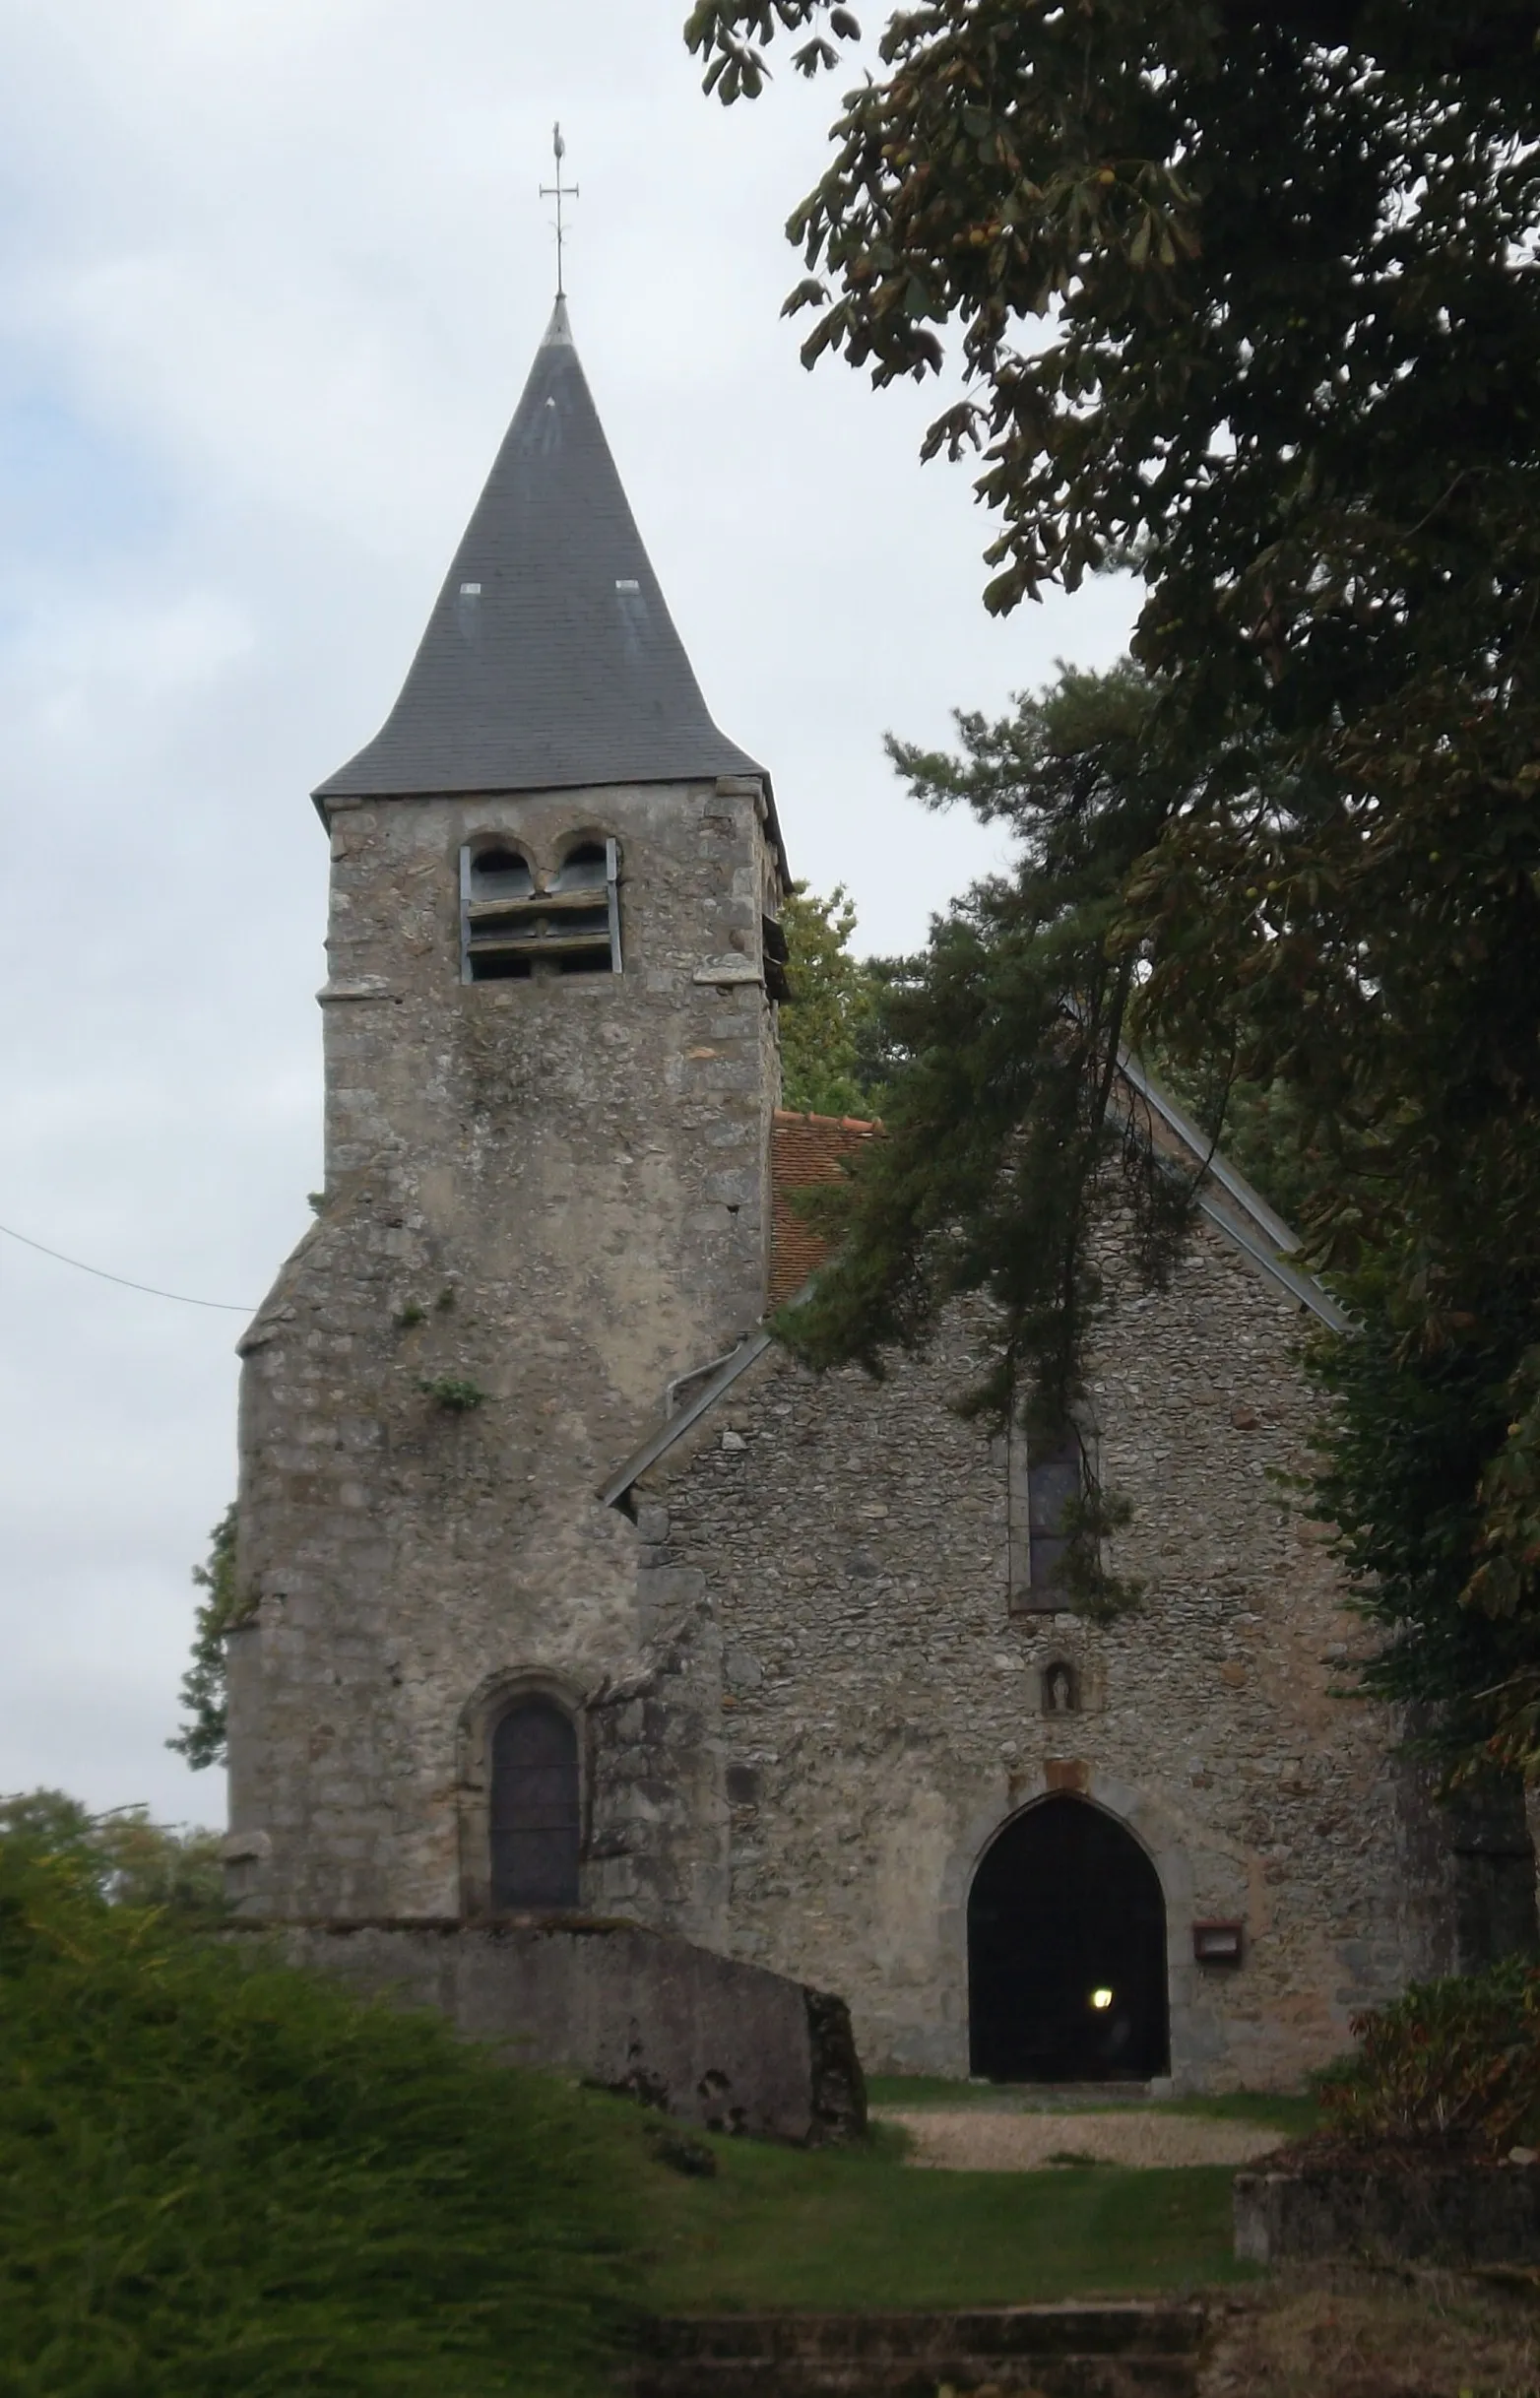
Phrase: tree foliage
(120, 1856)
(220, 2178)
(1247, 301)
(1014, 1163)
(829, 1059)
(1289, 367)
(200, 1739)
(1014, 1151)
(1281, 259)
(1418, 1427)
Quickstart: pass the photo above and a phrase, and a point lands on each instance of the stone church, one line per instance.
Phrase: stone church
(569, 1590)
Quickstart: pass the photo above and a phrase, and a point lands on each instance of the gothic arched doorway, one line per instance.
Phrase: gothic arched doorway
(1066, 1951)
(535, 1825)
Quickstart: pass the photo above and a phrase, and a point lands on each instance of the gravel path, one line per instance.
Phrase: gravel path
(977, 2141)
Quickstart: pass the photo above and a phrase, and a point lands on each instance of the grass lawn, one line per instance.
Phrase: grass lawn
(1278, 2112)
(846, 2230)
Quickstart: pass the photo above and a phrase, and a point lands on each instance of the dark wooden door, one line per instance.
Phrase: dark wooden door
(534, 1822)
(1066, 1951)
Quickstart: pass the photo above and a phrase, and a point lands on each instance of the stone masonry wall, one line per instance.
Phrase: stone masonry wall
(880, 1712)
(550, 1190)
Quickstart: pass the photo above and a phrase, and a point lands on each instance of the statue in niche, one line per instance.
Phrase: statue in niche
(1061, 1696)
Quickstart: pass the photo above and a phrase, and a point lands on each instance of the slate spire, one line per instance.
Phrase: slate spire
(549, 659)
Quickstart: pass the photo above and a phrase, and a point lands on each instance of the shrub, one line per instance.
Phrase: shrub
(1453, 2064)
(452, 1392)
(224, 2179)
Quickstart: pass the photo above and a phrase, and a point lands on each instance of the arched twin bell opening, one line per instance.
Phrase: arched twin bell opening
(520, 926)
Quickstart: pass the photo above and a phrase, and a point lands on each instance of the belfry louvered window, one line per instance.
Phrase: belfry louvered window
(516, 924)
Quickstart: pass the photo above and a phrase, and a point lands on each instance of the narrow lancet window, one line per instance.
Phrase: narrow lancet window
(515, 926)
(535, 1817)
(1047, 1474)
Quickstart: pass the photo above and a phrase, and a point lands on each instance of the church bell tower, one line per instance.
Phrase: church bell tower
(550, 1068)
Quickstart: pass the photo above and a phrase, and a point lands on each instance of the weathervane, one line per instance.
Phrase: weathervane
(558, 191)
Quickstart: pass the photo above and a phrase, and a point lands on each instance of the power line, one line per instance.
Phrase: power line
(229, 1307)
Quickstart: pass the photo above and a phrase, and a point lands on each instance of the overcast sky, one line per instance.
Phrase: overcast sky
(271, 275)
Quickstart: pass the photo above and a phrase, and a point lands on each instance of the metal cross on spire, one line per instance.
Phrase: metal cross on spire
(558, 191)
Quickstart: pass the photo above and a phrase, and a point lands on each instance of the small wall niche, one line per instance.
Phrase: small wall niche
(1059, 1687)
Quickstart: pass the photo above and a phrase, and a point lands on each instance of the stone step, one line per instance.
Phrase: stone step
(940, 2378)
(1125, 2350)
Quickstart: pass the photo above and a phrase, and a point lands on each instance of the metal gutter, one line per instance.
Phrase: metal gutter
(1300, 1286)
(1271, 1235)
(1218, 1166)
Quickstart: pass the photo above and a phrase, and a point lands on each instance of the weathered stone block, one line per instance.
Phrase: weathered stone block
(659, 1586)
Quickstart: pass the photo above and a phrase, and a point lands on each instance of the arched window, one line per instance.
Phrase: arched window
(535, 1820)
(588, 924)
(496, 885)
(585, 868)
(501, 874)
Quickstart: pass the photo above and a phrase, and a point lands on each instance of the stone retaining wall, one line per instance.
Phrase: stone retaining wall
(727, 2045)
(1451, 2215)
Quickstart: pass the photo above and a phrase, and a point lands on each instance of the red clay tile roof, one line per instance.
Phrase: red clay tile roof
(804, 1149)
